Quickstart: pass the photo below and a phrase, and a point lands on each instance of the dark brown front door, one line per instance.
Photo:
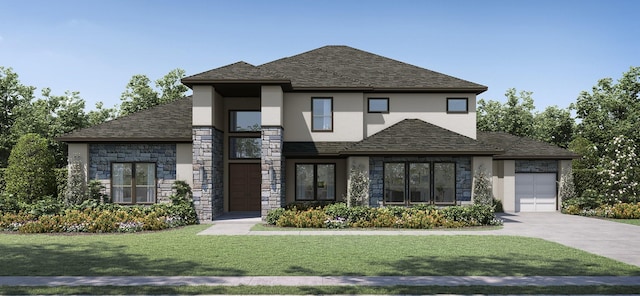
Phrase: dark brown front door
(244, 186)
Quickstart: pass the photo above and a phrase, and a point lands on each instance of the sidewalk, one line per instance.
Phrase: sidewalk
(377, 281)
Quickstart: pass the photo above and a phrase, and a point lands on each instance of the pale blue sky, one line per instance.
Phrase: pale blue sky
(556, 49)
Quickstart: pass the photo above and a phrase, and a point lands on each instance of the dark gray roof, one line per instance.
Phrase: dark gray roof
(414, 136)
(164, 123)
(291, 149)
(523, 148)
(340, 67)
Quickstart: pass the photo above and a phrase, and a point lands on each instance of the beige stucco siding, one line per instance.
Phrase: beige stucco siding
(341, 177)
(347, 117)
(184, 163)
(272, 109)
(79, 152)
(207, 107)
(504, 183)
(430, 108)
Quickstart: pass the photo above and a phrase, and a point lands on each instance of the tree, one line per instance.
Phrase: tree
(139, 95)
(30, 176)
(514, 117)
(101, 114)
(620, 171)
(555, 126)
(12, 93)
(482, 190)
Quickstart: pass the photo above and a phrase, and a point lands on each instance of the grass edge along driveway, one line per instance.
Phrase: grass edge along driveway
(181, 252)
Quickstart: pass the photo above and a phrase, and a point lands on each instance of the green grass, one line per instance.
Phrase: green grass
(316, 290)
(181, 252)
(627, 221)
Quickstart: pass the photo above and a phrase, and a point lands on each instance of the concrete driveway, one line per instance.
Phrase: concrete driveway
(610, 239)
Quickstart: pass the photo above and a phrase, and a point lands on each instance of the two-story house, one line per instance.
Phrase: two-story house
(254, 138)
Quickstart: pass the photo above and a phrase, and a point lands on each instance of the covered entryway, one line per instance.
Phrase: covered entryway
(536, 192)
(244, 187)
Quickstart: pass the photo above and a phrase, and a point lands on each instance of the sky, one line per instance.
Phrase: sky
(555, 49)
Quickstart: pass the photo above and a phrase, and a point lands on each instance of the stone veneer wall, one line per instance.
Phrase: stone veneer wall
(536, 166)
(464, 176)
(272, 165)
(163, 155)
(207, 189)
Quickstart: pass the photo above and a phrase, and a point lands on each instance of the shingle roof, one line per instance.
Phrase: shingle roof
(290, 149)
(414, 136)
(164, 123)
(523, 148)
(341, 67)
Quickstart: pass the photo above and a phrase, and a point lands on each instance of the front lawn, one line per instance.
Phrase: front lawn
(627, 221)
(181, 252)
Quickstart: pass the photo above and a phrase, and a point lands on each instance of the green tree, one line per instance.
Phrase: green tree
(514, 116)
(555, 126)
(101, 114)
(12, 93)
(30, 176)
(139, 95)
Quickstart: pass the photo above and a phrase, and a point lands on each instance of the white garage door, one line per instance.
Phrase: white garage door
(536, 192)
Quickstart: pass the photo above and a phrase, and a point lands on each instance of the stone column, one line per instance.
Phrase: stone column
(272, 163)
(207, 172)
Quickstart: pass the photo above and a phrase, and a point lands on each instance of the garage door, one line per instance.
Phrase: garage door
(535, 192)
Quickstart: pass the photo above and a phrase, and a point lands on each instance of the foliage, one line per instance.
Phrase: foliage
(340, 215)
(9, 204)
(76, 191)
(617, 211)
(358, 193)
(139, 95)
(12, 93)
(61, 181)
(620, 171)
(2, 182)
(555, 126)
(273, 215)
(567, 188)
(183, 192)
(482, 190)
(95, 192)
(497, 206)
(30, 174)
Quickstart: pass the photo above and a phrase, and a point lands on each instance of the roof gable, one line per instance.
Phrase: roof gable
(170, 122)
(414, 136)
(339, 67)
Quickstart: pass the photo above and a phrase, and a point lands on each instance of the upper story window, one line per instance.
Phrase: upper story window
(457, 105)
(378, 105)
(244, 121)
(322, 114)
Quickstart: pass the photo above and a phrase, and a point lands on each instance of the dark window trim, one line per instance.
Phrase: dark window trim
(232, 157)
(133, 182)
(369, 105)
(459, 112)
(432, 199)
(313, 129)
(315, 181)
(241, 110)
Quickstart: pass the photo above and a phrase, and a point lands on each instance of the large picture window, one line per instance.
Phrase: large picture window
(133, 183)
(408, 183)
(322, 114)
(245, 148)
(244, 121)
(315, 182)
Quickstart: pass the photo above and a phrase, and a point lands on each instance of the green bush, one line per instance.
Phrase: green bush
(419, 217)
(30, 174)
(9, 204)
(2, 182)
(585, 179)
(61, 182)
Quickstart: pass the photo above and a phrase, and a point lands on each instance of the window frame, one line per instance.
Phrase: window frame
(313, 127)
(380, 112)
(231, 151)
(315, 181)
(134, 183)
(466, 110)
(407, 183)
(232, 117)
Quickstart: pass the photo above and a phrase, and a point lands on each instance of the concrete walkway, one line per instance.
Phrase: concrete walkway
(614, 240)
(377, 281)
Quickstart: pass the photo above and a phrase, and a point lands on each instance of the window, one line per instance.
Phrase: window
(419, 182)
(315, 182)
(378, 105)
(133, 183)
(322, 114)
(244, 121)
(250, 148)
(457, 105)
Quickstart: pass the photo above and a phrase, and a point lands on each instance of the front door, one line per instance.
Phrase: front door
(245, 180)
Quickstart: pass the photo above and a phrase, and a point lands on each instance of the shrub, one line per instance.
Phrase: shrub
(96, 193)
(482, 191)
(9, 204)
(61, 175)
(358, 188)
(2, 182)
(274, 215)
(30, 174)
(310, 218)
(76, 190)
(497, 206)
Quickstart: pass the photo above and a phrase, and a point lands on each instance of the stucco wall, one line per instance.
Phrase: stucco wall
(163, 155)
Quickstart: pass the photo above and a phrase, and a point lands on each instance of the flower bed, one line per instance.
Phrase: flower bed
(617, 211)
(419, 217)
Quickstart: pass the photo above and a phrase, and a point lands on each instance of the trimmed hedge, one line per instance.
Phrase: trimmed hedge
(419, 217)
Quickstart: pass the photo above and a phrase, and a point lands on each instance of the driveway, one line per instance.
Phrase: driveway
(609, 239)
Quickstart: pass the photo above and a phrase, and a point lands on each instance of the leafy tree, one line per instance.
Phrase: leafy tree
(620, 171)
(514, 117)
(139, 95)
(12, 93)
(555, 126)
(101, 114)
(30, 176)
